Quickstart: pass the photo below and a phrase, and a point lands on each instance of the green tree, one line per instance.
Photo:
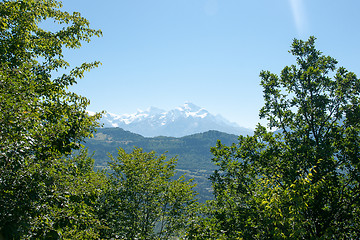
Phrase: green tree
(144, 200)
(70, 205)
(301, 181)
(41, 122)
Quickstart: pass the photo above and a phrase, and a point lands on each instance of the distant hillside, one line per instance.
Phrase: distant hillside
(193, 152)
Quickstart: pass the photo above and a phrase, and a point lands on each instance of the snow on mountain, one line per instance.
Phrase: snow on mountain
(184, 120)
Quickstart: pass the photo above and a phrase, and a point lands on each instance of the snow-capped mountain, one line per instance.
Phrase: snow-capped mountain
(181, 121)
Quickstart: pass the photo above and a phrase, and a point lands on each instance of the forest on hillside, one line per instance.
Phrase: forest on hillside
(192, 152)
(299, 182)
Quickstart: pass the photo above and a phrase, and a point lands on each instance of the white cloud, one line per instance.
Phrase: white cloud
(299, 15)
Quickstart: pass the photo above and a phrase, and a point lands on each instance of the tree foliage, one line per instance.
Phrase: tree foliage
(41, 122)
(144, 200)
(301, 181)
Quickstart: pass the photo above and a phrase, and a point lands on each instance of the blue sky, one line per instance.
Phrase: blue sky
(164, 53)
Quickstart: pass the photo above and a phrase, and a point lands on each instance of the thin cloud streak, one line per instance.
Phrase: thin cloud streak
(299, 16)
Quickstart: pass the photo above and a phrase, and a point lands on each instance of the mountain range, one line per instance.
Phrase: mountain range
(182, 121)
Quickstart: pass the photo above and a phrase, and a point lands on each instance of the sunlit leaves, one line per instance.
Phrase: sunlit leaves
(301, 181)
(40, 121)
(144, 199)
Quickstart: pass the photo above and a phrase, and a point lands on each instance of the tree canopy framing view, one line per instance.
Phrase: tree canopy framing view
(296, 178)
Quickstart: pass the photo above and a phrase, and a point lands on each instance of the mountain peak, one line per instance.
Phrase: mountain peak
(191, 110)
(184, 120)
(191, 107)
(188, 107)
